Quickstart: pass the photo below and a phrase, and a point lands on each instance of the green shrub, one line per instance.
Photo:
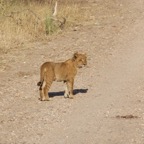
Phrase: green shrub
(50, 26)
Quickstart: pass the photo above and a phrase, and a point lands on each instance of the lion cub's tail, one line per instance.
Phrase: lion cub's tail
(40, 84)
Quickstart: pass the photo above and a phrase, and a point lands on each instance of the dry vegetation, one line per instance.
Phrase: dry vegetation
(23, 21)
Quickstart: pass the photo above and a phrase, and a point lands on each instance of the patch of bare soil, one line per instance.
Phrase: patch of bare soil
(112, 85)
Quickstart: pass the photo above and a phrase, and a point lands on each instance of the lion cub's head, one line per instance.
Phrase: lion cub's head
(80, 59)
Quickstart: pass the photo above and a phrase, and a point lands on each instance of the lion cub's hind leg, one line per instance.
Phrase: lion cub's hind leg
(46, 89)
(41, 95)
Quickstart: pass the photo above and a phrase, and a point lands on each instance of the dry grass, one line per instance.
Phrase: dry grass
(22, 22)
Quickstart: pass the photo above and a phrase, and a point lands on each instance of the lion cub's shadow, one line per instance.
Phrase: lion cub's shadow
(61, 93)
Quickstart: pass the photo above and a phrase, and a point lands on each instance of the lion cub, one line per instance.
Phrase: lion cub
(63, 71)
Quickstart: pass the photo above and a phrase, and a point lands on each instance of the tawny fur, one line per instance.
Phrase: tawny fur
(64, 71)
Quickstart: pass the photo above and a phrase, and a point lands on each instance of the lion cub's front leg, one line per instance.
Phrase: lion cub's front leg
(66, 94)
(70, 84)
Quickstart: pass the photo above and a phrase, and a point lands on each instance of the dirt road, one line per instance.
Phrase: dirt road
(109, 102)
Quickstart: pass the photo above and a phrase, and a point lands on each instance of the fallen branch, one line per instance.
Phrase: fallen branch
(127, 117)
(54, 17)
(55, 10)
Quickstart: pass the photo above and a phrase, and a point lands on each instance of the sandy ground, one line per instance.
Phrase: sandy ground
(109, 103)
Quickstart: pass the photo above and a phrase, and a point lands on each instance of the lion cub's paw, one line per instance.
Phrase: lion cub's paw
(71, 97)
(44, 99)
(66, 95)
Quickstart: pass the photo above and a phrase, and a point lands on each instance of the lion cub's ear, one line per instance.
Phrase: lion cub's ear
(75, 55)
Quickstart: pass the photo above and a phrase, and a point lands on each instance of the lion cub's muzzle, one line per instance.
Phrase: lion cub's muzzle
(84, 65)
